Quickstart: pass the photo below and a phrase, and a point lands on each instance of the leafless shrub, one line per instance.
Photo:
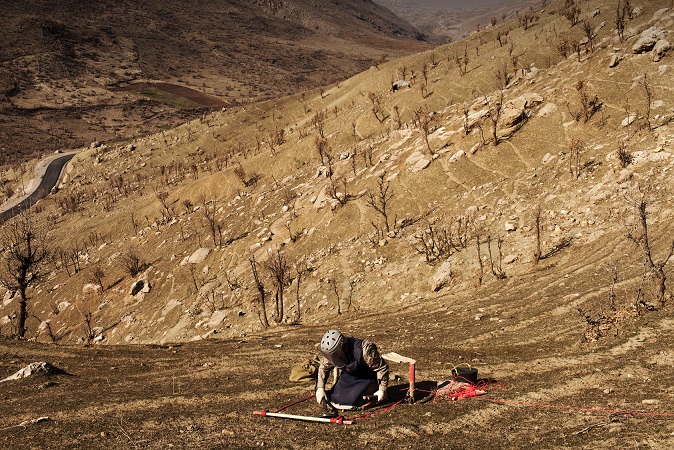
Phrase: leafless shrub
(278, 266)
(69, 202)
(424, 120)
(639, 235)
(570, 11)
(259, 301)
(132, 263)
(537, 228)
(167, 209)
(563, 243)
(496, 264)
(495, 109)
(648, 97)
(379, 199)
(563, 47)
(209, 209)
(323, 148)
(87, 326)
(245, 178)
(575, 149)
(96, 276)
(347, 297)
(589, 103)
(588, 29)
(625, 157)
(462, 61)
(434, 243)
(377, 107)
(334, 190)
(610, 317)
(622, 12)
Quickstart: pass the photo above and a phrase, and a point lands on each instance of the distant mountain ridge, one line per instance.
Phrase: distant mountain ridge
(444, 20)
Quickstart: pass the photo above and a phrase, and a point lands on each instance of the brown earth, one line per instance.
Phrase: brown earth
(60, 61)
(597, 379)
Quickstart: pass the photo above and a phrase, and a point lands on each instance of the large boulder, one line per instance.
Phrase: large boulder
(516, 111)
(660, 49)
(647, 40)
(442, 277)
(33, 369)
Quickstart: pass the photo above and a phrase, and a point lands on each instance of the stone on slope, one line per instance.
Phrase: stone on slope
(33, 369)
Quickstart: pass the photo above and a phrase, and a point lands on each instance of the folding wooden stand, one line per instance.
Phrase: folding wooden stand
(394, 357)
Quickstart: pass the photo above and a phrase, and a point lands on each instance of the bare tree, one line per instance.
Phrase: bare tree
(132, 262)
(209, 209)
(648, 96)
(497, 265)
(377, 108)
(622, 13)
(301, 268)
(423, 119)
(537, 228)
(641, 239)
(96, 276)
(588, 29)
(571, 11)
(575, 149)
(262, 309)
(25, 253)
(495, 109)
(379, 199)
(279, 269)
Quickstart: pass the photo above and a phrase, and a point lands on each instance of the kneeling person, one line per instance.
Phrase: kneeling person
(363, 371)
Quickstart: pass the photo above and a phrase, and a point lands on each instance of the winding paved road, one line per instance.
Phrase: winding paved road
(48, 181)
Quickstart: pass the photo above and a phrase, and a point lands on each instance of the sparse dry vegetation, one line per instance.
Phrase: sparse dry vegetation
(460, 251)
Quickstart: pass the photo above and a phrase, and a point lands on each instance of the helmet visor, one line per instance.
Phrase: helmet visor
(337, 357)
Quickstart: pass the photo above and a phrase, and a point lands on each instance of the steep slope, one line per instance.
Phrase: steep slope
(448, 275)
(60, 62)
(252, 181)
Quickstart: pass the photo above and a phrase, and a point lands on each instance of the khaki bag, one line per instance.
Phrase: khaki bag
(305, 371)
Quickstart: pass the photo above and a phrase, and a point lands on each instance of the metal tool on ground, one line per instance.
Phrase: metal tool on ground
(329, 410)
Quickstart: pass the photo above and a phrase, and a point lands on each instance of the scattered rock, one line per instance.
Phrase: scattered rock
(660, 49)
(659, 14)
(90, 288)
(198, 256)
(442, 277)
(615, 59)
(36, 368)
(627, 121)
(509, 226)
(456, 156)
(400, 84)
(647, 40)
(417, 162)
(136, 287)
(510, 259)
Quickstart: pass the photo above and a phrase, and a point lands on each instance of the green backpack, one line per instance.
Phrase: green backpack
(305, 371)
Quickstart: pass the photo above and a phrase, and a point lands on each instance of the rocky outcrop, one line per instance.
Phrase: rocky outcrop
(647, 40)
(442, 277)
(660, 50)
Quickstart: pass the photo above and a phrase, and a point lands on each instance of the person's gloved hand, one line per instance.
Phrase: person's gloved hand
(380, 394)
(320, 395)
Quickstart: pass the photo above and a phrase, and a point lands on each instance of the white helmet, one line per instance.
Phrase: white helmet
(332, 347)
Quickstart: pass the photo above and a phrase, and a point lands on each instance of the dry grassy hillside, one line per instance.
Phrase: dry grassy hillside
(451, 272)
(62, 63)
